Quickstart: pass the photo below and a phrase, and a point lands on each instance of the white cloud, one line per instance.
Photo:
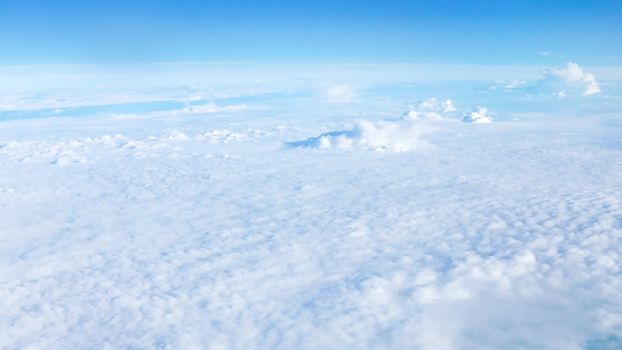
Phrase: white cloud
(567, 81)
(479, 115)
(570, 79)
(396, 136)
(203, 233)
(388, 135)
(431, 109)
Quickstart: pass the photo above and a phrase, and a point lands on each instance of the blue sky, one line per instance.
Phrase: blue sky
(454, 32)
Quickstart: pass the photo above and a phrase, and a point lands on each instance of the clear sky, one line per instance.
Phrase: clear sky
(439, 31)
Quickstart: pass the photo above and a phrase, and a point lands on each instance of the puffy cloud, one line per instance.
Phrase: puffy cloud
(479, 115)
(569, 80)
(430, 109)
(433, 109)
(396, 136)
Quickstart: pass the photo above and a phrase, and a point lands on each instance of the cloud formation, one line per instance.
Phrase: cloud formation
(373, 136)
(430, 109)
(571, 79)
(567, 81)
(479, 115)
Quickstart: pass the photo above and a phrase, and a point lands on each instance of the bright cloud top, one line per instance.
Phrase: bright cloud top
(571, 79)
(396, 136)
(478, 115)
(567, 81)
(403, 134)
(431, 109)
(389, 135)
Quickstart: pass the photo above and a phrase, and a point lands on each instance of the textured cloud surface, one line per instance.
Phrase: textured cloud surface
(196, 224)
(206, 233)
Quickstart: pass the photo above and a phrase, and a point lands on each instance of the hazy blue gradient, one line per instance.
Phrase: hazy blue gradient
(481, 32)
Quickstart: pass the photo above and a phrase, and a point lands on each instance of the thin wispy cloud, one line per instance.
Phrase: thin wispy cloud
(550, 54)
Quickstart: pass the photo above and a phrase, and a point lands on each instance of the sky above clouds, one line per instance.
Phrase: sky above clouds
(69, 53)
(452, 32)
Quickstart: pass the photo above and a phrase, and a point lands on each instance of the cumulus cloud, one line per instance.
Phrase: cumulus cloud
(397, 136)
(403, 134)
(571, 79)
(431, 109)
(567, 81)
(478, 115)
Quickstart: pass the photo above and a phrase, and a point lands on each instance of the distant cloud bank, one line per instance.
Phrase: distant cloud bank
(567, 81)
(571, 78)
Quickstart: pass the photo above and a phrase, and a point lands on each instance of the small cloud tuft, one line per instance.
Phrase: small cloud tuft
(479, 115)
